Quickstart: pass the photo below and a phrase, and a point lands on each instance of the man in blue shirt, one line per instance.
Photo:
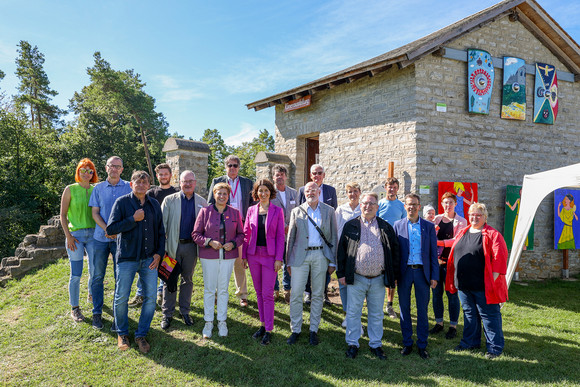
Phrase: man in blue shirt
(138, 220)
(101, 202)
(391, 209)
(418, 267)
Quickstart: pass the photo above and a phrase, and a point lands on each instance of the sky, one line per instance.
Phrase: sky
(204, 61)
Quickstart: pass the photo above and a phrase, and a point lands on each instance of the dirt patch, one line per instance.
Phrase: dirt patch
(12, 316)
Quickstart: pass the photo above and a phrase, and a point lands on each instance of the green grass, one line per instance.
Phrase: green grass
(40, 344)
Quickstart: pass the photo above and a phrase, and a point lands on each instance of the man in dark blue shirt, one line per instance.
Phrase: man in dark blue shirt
(138, 220)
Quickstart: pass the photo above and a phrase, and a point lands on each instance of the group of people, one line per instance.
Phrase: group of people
(375, 246)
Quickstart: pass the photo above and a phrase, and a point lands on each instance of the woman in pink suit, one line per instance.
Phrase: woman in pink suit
(263, 252)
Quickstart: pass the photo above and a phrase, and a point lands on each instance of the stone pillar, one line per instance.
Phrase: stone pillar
(184, 154)
(266, 160)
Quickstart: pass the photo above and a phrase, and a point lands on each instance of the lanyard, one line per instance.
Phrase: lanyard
(236, 190)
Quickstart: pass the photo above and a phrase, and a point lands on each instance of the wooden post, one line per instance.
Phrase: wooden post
(565, 271)
(391, 170)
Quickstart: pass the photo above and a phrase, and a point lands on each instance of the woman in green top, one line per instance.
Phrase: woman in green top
(78, 225)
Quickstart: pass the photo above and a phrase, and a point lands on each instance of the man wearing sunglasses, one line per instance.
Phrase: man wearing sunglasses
(240, 199)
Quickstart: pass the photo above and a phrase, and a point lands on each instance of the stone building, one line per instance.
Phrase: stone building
(384, 109)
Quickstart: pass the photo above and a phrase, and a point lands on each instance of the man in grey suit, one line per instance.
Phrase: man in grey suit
(241, 199)
(310, 251)
(287, 199)
(180, 210)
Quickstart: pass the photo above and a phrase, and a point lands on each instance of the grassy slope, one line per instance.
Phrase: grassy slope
(40, 344)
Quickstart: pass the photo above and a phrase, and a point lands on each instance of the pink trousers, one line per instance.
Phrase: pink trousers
(264, 276)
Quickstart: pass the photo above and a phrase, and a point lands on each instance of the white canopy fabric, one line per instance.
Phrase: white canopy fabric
(534, 189)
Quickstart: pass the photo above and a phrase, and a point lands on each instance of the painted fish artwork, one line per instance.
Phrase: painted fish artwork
(545, 94)
(513, 103)
(480, 81)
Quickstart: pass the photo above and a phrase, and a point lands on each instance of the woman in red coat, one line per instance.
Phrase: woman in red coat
(263, 252)
(476, 269)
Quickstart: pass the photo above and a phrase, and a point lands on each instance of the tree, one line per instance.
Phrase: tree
(34, 89)
(218, 152)
(114, 116)
(248, 150)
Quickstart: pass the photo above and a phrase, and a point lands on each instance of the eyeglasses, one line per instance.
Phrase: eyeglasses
(368, 204)
(317, 173)
(188, 181)
(233, 165)
(86, 170)
(114, 166)
(412, 204)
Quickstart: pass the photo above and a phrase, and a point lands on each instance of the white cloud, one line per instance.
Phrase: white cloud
(510, 61)
(247, 133)
(173, 90)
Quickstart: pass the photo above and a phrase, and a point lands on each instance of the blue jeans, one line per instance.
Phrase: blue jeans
(343, 290)
(126, 271)
(85, 242)
(100, 261)
(416, 278)
(476, 311)
(452, 298)
(373, 289)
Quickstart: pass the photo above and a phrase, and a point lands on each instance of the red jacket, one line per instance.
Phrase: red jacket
(496, 254)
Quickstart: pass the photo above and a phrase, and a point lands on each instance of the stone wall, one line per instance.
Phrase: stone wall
(361, 127)
(184, 154)
(34, 251)
(458, 146)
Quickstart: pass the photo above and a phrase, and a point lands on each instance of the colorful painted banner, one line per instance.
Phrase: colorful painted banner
(546, 94)
(479, 81)
(513, 104)
(466, 194)
(512, 210)
(566, 224)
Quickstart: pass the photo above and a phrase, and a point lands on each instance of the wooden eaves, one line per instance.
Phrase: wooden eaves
(528, 12)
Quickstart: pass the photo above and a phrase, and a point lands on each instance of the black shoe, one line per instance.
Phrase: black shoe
(491, 356)
(293, 338)
(266, 338)
(327, 300)
(351, 351)
(436, 329)
(378, 352)
(166, 322)
(423, 353)
(313, 340)
(407, 349)
(461, 348)
(97, 321)
(259, 333)
(451, 333)
(187, 319)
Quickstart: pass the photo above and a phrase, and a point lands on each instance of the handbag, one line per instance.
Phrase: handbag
(169, 270)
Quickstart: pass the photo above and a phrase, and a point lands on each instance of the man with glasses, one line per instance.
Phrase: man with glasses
(327, 196)
(241, 199)
(101, 203)
(419, 267)
(179, 213)
(367, 261)
(391, 209)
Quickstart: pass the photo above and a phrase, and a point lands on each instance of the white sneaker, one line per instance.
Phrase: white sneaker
(222, 328)
(344, 323)
(207, 329)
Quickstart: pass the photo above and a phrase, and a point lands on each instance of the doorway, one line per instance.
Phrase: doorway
(312, 152)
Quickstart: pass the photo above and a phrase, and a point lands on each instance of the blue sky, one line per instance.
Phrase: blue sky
(203, 61)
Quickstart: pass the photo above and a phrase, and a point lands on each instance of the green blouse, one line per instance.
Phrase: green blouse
(79, 213)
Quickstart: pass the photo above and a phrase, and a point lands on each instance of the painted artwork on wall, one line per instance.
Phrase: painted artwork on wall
(466, 195)
(513, 103)
(545, 94)
(512, 209)
(480, 77)
(566, 224)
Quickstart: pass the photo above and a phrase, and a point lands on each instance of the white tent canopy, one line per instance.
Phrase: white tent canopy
(534, 189)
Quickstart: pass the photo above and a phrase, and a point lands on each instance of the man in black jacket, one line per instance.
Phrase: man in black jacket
(368, 260)
(138, 220)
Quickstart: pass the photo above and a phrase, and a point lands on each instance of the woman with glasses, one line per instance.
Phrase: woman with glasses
(218, 232)
(476, 270)
(79, 226)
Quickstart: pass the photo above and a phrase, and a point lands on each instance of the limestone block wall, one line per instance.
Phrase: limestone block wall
(191, 155)
(361, 127)
(458, 146)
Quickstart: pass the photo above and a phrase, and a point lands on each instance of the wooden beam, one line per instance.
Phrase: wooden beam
(556, 50)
